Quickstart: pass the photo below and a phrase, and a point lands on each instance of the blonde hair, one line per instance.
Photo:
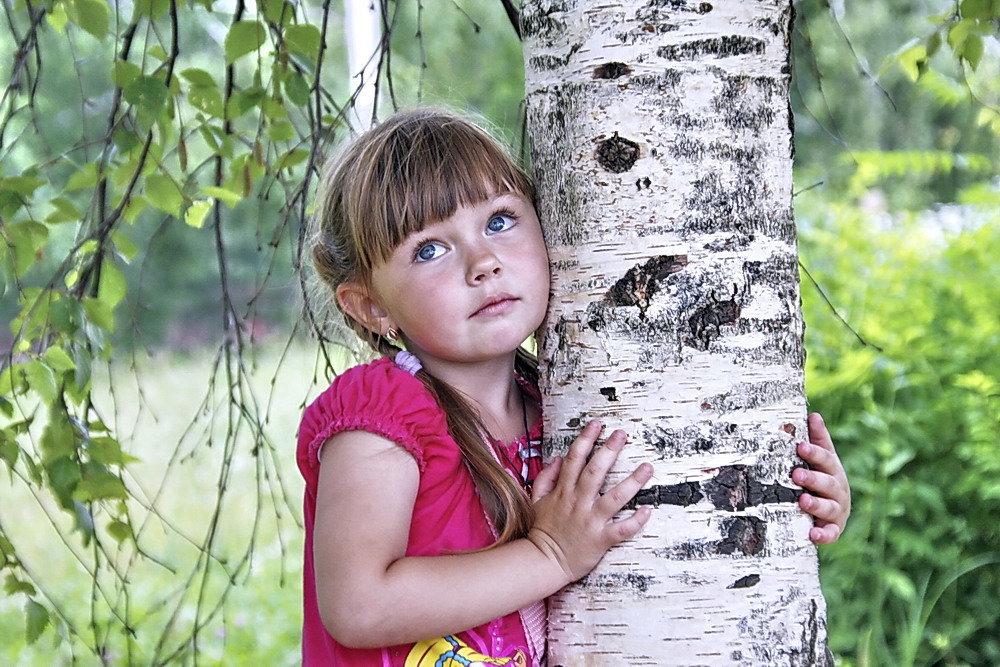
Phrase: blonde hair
(416, 168)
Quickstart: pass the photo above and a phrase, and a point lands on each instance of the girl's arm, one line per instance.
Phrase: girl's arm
(371, 594)
(830, 501)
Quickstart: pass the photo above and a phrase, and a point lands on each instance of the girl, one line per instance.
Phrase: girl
(433, 534)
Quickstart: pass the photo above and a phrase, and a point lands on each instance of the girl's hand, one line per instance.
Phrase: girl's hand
(830, 500)
(573, 523)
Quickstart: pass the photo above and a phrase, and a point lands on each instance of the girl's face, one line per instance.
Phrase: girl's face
(471, 287)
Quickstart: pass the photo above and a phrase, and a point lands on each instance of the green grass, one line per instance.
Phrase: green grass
(166, 416)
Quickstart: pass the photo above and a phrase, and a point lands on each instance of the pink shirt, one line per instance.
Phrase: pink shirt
(447, 516)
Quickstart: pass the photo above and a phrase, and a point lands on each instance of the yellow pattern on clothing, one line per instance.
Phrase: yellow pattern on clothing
(450, 651)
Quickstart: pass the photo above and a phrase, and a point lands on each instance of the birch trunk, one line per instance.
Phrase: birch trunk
(662, 152)
(362, 36)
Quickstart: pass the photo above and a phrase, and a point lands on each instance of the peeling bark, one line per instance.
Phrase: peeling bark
(662, 153)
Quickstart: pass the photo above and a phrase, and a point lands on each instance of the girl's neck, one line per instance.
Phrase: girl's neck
(493, 389)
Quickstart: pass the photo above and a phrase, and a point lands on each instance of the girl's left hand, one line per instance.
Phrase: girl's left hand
(830, 500)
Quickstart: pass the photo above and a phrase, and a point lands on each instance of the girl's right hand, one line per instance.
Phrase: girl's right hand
(573, 521)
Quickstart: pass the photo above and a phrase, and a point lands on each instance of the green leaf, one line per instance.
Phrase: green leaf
(148, 93)
(120, 530)
(303, 38)
(64, 475)
(291, 158)
(276, 11)
(9, 451)
(106, 450)
(57, 359)
(243, 38)
(207, 99)
(58, 18)
(125, 73)
(199, 77)
(58, 439)
(99, 313)
(98, 483)
(12, 586)
(163, 193)
(42, 380)
(158, 52)
(22, 185)
(123, 244)
(65, 211)
(85, 177)
(972, 50)
(36, 620)
(91, 15)
(113, 286)
(281, 130)
(227, 197)
(195, 215)
(151, 8)
(976, 9)
(297, 89)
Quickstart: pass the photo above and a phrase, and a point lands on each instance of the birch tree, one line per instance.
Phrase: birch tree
(662, 151)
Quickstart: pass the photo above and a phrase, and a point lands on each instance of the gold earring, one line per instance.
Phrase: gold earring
(392, 334)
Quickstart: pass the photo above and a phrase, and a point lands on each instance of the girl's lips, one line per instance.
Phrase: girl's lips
(495, 305)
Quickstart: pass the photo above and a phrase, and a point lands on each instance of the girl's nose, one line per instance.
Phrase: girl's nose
(482, 266)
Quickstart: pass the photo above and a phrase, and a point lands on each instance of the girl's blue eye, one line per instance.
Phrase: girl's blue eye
(499, 222)
(428, 251)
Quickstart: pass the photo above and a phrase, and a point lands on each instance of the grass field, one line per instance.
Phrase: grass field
(169, 416)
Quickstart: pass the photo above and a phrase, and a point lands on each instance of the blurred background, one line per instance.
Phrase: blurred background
(186, 356)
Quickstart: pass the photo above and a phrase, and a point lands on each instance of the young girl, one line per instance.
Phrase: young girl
(433, 533)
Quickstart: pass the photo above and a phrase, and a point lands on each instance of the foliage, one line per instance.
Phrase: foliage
(916, 578)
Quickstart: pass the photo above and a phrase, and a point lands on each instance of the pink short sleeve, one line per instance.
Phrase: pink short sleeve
(379, 398)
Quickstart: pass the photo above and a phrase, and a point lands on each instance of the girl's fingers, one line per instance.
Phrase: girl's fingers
(592, 478)
(576, 457)
(818, 434)
(546, 479)
(612, 502)
(619, 531)
(824, 534)
(819, 482)
(819, 458)
(823, 509)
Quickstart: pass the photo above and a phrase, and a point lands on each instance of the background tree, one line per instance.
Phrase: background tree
(162, 150)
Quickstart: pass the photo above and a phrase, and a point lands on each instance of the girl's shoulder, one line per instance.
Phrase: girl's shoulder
(379, 397)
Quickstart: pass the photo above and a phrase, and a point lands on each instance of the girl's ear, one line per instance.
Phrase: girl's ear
(355, 300)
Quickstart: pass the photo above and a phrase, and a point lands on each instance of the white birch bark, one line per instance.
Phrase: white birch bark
(662, 152)
(362, 36)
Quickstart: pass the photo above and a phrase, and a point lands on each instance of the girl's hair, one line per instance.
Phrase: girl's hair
(415, 169)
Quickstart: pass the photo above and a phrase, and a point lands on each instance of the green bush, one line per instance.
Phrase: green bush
(916, 577)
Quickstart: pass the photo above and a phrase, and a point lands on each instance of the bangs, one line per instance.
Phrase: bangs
(426, 166)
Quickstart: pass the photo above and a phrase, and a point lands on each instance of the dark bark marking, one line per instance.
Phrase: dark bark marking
(741, 111)
(612, 70)
(745, 582)
(707, 322)
(640, 283)
(609, 393)
(542, 24)
(744, 534)
(720, 47)
(751, 395)
(789, 429)
(643, 183)
(617, 154)
(682, 6)
(815, 653)
(733, 489)
(683, 494)
(613, 581)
